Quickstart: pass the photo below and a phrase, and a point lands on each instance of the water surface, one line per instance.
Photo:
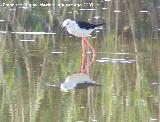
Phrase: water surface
(34, 53)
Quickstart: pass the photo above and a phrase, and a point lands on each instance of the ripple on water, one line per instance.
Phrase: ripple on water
(154, 119)
(27, 40)
(1, 20)
(115, 60)
(117, 11)
(94, 120)
(56, 52)
(30, 33)
(104, 8)
(35, 33)
(143, 11)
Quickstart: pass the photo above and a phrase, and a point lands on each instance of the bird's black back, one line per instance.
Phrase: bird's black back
(87, 25)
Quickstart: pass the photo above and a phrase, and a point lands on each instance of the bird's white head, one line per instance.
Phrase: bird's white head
(66, 22)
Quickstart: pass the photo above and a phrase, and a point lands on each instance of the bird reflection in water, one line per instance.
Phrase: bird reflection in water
(78, 81)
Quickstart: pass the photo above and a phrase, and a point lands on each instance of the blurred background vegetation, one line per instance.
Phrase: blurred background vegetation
(33, 53)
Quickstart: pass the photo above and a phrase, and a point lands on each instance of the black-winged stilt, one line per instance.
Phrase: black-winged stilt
(82, 29)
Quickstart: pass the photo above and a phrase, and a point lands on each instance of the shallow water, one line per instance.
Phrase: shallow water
(34, 53)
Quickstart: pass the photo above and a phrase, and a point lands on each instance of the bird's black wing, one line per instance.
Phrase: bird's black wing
(84, 85)
(86, 25)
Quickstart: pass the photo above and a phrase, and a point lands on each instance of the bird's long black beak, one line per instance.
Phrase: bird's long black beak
(63, 28)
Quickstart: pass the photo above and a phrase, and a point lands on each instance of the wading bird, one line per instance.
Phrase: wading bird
(82, 29)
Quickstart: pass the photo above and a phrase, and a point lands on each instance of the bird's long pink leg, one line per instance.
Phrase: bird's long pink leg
(90, 46)
(93, 52)
(83, 60)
